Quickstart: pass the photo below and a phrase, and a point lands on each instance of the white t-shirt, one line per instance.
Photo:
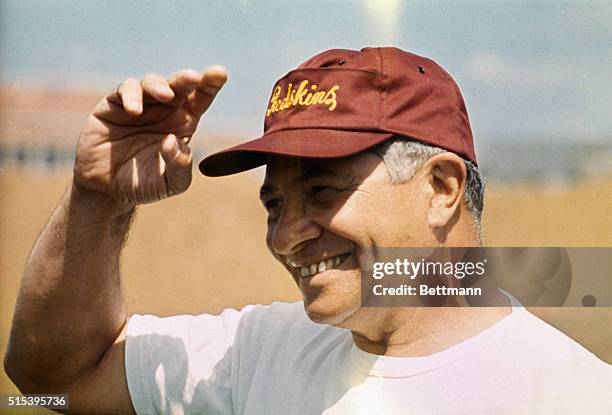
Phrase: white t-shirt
(269, 360)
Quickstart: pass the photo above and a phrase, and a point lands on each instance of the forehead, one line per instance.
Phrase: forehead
(288, 170)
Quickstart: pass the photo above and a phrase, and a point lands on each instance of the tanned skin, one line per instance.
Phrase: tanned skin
(68, 332)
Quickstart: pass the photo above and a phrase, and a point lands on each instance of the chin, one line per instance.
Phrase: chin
(329, 312)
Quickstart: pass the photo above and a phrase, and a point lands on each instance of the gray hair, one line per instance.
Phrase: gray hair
(404, 156)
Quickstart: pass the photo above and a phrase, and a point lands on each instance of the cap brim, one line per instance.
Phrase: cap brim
(310, 143)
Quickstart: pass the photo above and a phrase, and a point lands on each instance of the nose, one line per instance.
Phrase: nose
(293, 229)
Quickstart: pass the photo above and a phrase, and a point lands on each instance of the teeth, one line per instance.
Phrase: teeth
(291, 263)
(321, 266)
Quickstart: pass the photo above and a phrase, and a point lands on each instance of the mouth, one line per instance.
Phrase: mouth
(308, 270)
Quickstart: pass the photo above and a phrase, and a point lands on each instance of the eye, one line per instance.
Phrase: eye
(322, 193)
(273, 206)
(318, 189)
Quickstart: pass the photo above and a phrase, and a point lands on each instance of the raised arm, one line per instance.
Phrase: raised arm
(68, 328)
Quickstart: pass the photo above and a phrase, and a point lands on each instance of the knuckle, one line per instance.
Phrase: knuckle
(189, 73)
(184, 131)
(130, 81)
(127, 86)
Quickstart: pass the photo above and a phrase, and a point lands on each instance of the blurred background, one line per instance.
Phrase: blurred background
(535, 77)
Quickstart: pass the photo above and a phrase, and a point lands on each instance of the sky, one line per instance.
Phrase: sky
(526, 69)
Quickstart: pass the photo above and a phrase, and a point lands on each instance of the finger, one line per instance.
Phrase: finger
(156, 86)
(130, 93)
(184, 82)
(178, 158)
(110, 111)
(212, 80)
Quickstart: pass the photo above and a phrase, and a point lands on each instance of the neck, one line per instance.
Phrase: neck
(412, 332)
(422, 331)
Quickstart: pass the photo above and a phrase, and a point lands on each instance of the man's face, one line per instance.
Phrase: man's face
(322, 213)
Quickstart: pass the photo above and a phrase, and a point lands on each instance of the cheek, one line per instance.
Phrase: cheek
(363, 218)
(335, 301)
(269, 234)
(353, 218)
(353, 224)
(381, 219)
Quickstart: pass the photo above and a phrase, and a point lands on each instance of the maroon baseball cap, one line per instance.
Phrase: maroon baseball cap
(341, 102)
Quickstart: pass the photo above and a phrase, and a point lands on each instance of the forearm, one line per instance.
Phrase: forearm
(70, 308)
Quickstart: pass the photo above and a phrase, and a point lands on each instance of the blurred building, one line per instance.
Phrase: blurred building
(39, 128)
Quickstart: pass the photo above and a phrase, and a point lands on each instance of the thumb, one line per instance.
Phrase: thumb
(178, 158)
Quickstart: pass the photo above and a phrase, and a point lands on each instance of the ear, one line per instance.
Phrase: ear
(447, 176)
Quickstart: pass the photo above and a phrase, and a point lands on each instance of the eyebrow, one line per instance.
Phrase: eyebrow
(308, 176)
(320, 174)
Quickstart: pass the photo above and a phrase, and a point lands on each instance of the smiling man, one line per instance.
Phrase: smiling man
(363, 149)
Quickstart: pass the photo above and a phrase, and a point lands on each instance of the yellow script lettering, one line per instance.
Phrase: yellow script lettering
(301, 96)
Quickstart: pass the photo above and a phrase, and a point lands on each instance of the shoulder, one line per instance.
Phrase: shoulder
(280, 310)
(562, 360)
(280, 320)
(545, 366)
(261, 321)
(542, 337)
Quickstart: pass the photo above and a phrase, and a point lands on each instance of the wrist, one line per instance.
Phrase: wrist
(98, 202)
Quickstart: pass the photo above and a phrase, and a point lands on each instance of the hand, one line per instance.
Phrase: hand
(134, 146)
